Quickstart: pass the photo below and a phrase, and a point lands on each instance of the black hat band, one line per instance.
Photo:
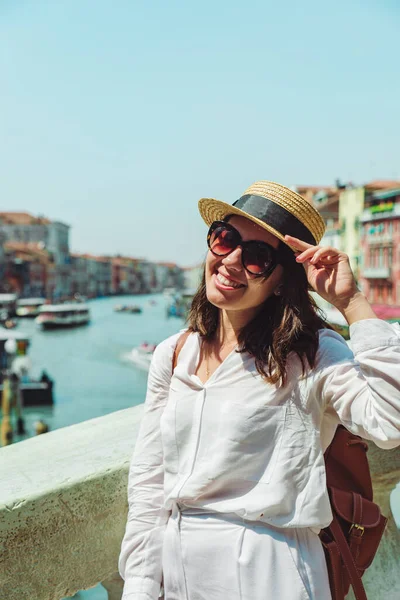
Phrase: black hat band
(274, 215)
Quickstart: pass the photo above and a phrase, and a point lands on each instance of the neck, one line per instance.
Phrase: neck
(230, 325)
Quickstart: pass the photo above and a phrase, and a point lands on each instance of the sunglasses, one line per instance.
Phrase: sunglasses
(258, 258)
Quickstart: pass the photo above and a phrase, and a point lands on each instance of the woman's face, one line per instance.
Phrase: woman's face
(224, 273)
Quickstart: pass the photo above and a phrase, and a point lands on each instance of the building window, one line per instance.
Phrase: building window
(381, 258)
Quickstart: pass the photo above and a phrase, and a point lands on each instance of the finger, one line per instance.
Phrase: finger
(324, 253)
(315, 253)
(296, 243)
(307, 254)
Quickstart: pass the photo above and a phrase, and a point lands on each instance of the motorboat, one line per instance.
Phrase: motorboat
(29, 307)
(35, 392)
(128, 308)
(141, 355)
(52, 316)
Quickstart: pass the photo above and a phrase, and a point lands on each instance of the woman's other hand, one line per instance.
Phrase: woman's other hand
(329, 274)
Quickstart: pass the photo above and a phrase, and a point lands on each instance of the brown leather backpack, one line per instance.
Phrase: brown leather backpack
(352, 539)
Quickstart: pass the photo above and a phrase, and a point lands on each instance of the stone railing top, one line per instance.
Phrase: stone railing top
(65, 456)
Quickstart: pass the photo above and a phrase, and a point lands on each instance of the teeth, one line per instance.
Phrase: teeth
(227, 282)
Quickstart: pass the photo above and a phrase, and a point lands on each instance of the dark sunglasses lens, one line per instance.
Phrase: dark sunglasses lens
(222, 240)
(258, 259)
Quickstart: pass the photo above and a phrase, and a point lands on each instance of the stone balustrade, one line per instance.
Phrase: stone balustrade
(63, 509)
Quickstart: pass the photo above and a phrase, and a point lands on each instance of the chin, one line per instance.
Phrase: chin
(220, 300)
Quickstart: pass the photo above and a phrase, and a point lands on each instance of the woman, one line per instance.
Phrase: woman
(227, 488)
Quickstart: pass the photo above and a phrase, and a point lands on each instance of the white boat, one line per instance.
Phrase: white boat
(29, 307)
(8, 303)
(63, 315)
(180, 304)
(141, 355)
(169, 291)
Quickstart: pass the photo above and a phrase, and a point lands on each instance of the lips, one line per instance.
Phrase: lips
(228, 282)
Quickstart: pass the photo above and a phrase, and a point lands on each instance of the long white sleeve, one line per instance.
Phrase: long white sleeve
(140, 561)
(364, 390)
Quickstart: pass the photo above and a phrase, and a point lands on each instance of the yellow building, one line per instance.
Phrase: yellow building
(351, 206)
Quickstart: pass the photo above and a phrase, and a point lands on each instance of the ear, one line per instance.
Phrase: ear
(278, 290)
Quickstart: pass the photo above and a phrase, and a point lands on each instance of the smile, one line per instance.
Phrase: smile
(228, 283)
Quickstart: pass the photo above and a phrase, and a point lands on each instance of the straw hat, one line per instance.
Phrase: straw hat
(274, 207)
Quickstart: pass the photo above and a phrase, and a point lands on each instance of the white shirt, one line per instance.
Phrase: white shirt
(238, 444)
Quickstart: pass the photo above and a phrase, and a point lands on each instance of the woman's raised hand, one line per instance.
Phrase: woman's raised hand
(329, 274)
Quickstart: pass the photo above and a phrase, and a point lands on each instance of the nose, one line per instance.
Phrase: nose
(234, 259)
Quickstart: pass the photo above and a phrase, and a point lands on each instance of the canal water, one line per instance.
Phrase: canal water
(89, 364)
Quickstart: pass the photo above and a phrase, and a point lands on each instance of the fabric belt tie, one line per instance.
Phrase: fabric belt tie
(176, 586)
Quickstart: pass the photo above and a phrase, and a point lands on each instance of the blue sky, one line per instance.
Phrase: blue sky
(115, 117)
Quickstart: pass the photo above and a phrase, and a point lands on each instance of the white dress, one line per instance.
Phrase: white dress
(227, 483)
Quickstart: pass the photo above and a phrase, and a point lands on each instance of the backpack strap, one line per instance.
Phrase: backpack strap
(348, 560)
(179, 345)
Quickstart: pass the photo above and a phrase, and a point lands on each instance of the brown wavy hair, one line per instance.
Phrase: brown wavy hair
(285, 323)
